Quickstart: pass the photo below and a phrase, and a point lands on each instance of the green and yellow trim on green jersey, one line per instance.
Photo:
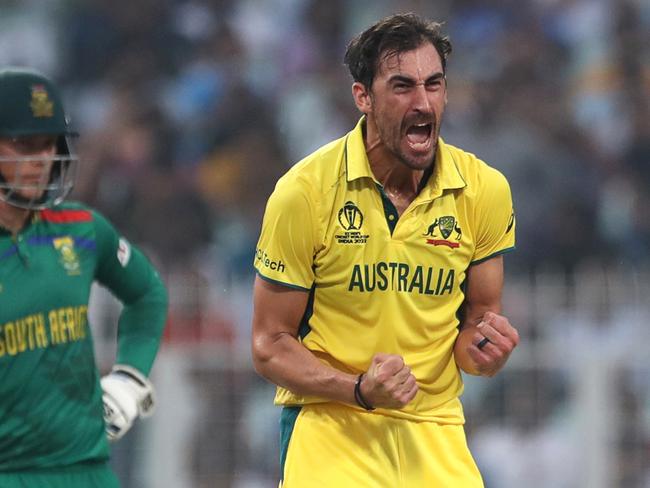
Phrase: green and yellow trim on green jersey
(380, 282)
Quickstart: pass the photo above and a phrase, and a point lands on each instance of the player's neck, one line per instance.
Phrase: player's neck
(393, 174)
(398, 180)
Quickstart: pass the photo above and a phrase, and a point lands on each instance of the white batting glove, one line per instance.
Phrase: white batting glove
(127, 395)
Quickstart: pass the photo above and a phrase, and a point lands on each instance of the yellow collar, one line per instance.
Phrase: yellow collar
(446, 174)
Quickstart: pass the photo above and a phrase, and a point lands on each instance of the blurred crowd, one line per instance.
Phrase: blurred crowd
(190, 110)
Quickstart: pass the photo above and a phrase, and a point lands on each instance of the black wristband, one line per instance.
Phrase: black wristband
(363, 403)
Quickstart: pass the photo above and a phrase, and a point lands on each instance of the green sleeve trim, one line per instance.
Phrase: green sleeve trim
(281, 283)
(493, 255)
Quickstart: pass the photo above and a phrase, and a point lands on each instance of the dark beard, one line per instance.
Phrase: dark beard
(396, 151)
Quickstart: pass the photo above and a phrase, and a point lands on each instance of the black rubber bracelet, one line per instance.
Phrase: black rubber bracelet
(359, 397)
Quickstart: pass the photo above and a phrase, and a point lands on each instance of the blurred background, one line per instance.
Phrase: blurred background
(190, 110)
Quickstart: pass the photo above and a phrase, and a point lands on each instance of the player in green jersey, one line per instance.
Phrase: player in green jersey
(380, 272)
(57, 415)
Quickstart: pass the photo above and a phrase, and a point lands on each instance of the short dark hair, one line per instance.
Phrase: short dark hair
(392, 35)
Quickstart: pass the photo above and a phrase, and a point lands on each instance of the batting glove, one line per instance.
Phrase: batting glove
(127, 395)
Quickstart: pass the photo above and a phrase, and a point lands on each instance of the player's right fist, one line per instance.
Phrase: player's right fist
(388, 383)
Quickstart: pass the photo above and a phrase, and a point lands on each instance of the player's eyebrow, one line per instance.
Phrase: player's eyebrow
(399, 78)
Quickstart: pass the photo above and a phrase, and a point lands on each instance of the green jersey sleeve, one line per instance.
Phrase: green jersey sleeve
(129, 275)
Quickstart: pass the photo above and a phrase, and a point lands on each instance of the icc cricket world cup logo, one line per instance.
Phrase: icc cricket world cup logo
(350, 217)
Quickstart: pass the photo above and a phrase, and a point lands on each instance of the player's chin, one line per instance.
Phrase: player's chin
(418, 162)
(418, 157)
(31, 195)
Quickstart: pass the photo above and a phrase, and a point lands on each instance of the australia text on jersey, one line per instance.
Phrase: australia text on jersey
(394, 276)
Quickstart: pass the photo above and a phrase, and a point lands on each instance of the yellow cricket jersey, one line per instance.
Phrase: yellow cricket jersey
(380, 282)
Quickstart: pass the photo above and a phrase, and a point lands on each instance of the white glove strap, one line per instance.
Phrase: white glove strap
(142, 389)
(127, 394)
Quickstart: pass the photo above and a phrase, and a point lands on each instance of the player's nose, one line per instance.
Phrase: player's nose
(420, 101)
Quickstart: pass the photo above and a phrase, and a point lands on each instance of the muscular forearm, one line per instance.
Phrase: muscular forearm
(287, 363)
(280, 357)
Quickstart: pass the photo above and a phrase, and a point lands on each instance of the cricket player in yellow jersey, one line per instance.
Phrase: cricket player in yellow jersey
(380, 273)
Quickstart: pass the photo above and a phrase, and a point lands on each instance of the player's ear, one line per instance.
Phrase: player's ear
(361, 97)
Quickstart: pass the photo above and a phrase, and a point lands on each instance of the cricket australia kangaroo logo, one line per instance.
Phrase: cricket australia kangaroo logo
(351, 219)
(446, 227)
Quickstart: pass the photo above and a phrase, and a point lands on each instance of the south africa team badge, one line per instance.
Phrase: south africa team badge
(41, 104)
(69, 259)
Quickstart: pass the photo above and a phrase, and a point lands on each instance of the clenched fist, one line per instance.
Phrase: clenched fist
(493, 341)
(388, 383)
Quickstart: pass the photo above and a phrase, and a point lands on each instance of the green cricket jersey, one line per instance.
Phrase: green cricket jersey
(50, 396)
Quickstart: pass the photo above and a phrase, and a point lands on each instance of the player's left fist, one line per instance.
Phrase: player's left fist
(127, 395)
(494, 340)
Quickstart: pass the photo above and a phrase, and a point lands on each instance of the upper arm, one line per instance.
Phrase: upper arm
(121, 266)
(284, 263)
(131, 277)
(494, 217)
(288, 239)
(483, 321)
(495, 235)
(277, 313)
(484, 289)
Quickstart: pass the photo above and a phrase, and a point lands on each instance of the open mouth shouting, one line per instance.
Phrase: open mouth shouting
(420, 136)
